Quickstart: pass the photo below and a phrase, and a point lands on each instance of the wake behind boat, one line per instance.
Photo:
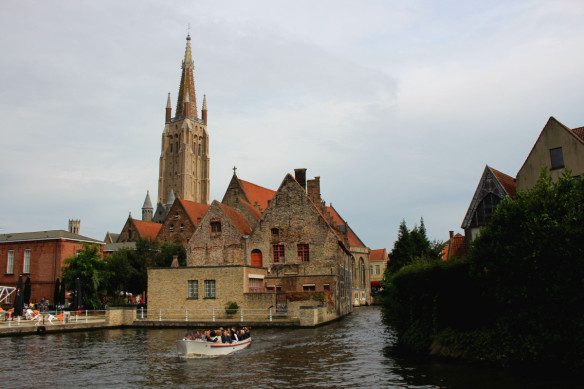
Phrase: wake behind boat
(188, 347)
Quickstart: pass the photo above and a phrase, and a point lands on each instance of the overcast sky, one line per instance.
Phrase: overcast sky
(396, 105)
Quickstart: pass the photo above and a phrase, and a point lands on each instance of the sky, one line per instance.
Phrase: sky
(396, 105)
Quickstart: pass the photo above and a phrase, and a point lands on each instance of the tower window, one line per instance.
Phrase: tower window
(557, 158)
(199, 149)
(171, 147)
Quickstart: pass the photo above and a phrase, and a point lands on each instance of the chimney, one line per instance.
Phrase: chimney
(313, 190)
(174, 261)
(451, 234)
(74, 226)
(300, 175)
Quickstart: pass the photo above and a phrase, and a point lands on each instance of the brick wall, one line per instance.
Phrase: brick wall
(176, 218)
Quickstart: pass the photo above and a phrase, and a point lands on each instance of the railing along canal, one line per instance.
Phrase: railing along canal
(52, 318)
(210, 315)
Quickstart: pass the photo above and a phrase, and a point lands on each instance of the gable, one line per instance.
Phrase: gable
(489, 189)
(257, 194)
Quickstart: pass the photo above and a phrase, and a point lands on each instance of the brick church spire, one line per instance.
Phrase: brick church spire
(187, 84)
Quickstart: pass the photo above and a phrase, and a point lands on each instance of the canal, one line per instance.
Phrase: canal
(356, 352)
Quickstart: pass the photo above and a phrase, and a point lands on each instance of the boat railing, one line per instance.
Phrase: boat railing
(211, 314)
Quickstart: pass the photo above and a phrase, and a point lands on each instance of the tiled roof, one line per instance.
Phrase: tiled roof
(338, 220)
(194, 210)
(256, 193)
(252, 210)
(457, 246)
(147, 229)
(378, 255)
(237, 219)
(507, 182)
(579, 132)
(46, 235)
(117, 246)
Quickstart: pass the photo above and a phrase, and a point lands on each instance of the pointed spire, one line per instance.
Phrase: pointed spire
(171, 197)
(168, 109)
(147, 208)
(147, 201)
(187, 84)
(204, 110)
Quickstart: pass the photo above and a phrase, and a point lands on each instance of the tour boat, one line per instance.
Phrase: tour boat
(188, 347)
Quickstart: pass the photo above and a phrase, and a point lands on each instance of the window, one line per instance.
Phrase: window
(371, 269)
(278, 289)
(26, 265)
(303, 252)
(199, 149)
(275, 235)
(129, 234)
(378, 269)
(326, 287)
(182, 228)
(270, 289)
(209, 289)
(278, 253)
(308, 288)
(255, 285)
(193, 289)
(10, 263)
(171, 228)
(171, 147)
(176, 216)
(485, 210)
(216, 227)
(557, 158)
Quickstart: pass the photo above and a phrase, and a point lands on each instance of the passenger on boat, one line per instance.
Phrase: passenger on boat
(225, 338)
(210, 338)
(234, 335)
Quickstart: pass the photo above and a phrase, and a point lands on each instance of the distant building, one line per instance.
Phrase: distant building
(136, 229)
(377, 265)
(39, 255)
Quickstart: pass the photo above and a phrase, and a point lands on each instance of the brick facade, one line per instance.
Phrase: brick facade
(48, 250)
(181, 221)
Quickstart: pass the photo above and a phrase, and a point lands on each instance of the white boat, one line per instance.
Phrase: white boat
(187, 347)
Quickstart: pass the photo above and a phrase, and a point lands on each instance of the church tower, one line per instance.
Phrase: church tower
(184, 160)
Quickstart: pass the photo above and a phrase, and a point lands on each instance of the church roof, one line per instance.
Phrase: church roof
(256, 193)
(237, 219)
(186, 91)
(194, 210)
(147, 229)
(147, 201)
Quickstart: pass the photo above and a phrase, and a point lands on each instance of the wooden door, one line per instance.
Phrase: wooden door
(256, 258)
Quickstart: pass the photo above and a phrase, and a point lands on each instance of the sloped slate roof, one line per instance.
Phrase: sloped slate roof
(147, 229)
(46, 235)
(256, 193)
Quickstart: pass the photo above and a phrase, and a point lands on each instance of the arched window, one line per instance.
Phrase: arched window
(353, 273)
(485, 210)
(129, 234)
(275, 235)
(361, 273)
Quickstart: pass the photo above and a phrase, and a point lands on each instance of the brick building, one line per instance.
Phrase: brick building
(135, 229)
(181, 221)
(39, 255)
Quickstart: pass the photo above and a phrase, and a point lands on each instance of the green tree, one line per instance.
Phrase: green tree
(411, 246)
(91, 271)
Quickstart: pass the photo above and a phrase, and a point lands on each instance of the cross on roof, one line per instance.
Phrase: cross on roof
(234, 169)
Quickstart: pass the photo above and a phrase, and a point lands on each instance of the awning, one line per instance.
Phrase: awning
(377, 284)
(260, 276)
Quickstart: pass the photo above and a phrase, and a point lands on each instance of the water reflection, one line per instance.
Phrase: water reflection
(354, 352)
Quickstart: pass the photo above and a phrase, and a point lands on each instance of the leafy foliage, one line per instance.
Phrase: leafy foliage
(412, 246)
(90, 270)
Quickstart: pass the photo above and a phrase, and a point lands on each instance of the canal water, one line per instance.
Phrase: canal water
(356, 352)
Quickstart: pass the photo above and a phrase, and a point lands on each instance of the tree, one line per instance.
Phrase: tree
(412, 246)
(91, 271)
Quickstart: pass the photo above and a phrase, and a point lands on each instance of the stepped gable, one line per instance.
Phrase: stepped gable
(147, 229)
(237, 219)
(579, 132)
(257, 194)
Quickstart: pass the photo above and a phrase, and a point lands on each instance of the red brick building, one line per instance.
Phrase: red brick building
(39, 255)
(181, 221)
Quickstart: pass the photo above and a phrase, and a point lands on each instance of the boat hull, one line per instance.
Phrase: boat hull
(197, 347)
